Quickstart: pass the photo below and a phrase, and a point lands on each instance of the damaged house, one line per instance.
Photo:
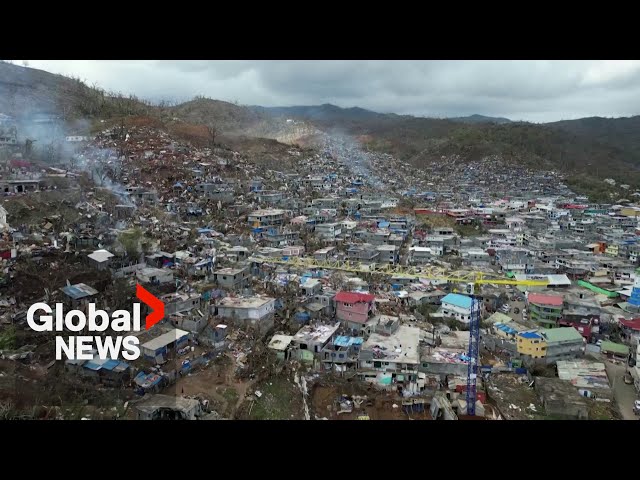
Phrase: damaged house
(353, 309)
(248, 312)
(392, 360)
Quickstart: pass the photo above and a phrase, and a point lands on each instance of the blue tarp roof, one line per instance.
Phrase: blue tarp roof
(457, 300)
(105, 364)
(506, 328)
(147, 381)
(530, 335)
(205, 230)
(345, 341)
(79, 291)
(110, 364)
(91, 365)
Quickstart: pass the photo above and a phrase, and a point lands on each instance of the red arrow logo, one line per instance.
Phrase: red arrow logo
(157, 306)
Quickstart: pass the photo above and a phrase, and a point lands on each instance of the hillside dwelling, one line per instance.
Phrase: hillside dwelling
(392, 360)
(193, 321)
(214, 336)
(123, 212)
(19, 186)
(311, 340)
(248, 312)
(232, 278)
(270, 197)
(614, 350)
(476, 256)
(311, 286)
(561, 399)
(168, 407)
(100, 259)
(324, 253)
(354, 309)
(79, 294)
(328, 231)
(265, 218)
(109, 372)
(563, 343)
(154, 276)
(545, 310)
(180, 302)
(8, 132)
(281, 344)
(237, 253)
(293, 251)
(426, 298)
(215, 192)
(529, 344)
(420, 255)
(363, 253)
(457, 306)
(389, 254)
(159, 348)
(159, 259)
(341, 351)
(142, 195)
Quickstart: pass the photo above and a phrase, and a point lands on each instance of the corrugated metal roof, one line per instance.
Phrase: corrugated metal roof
(79, 290)
(353, 297)
(542, 299)
(561, 334)
(164, 339)
(614, 348)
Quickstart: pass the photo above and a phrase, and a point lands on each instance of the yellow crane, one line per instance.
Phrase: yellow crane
(429, 272)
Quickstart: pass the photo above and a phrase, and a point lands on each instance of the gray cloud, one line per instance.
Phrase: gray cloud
(538, 91)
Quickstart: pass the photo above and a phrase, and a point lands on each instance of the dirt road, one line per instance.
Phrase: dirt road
(624, 394)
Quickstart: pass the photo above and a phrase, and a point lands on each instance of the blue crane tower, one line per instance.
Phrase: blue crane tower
(474, 348)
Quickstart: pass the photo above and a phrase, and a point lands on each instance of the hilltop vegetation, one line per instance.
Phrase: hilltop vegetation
(586, 150)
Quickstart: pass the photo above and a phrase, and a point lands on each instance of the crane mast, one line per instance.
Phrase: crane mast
(474, 351)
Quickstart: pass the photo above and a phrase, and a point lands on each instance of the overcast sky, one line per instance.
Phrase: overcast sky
(536, 91)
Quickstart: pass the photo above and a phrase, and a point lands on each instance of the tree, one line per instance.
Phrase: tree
(100, 175)
(28, 147)
(212, 131)
(130, 241)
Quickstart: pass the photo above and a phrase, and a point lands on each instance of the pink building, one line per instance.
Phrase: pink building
(353, 309)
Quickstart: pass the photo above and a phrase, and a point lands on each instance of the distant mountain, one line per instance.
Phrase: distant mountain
(326, 114)
(480, 119)
(587, 149)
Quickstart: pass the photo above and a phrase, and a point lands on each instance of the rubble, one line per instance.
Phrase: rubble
(253, 247)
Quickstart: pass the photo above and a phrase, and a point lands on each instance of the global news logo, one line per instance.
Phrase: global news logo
(80, 347)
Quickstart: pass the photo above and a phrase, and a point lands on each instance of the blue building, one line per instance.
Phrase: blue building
(457, 306)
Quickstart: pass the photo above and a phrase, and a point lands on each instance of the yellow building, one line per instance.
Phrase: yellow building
(630, 211)
(531, 344)
(612, 250)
